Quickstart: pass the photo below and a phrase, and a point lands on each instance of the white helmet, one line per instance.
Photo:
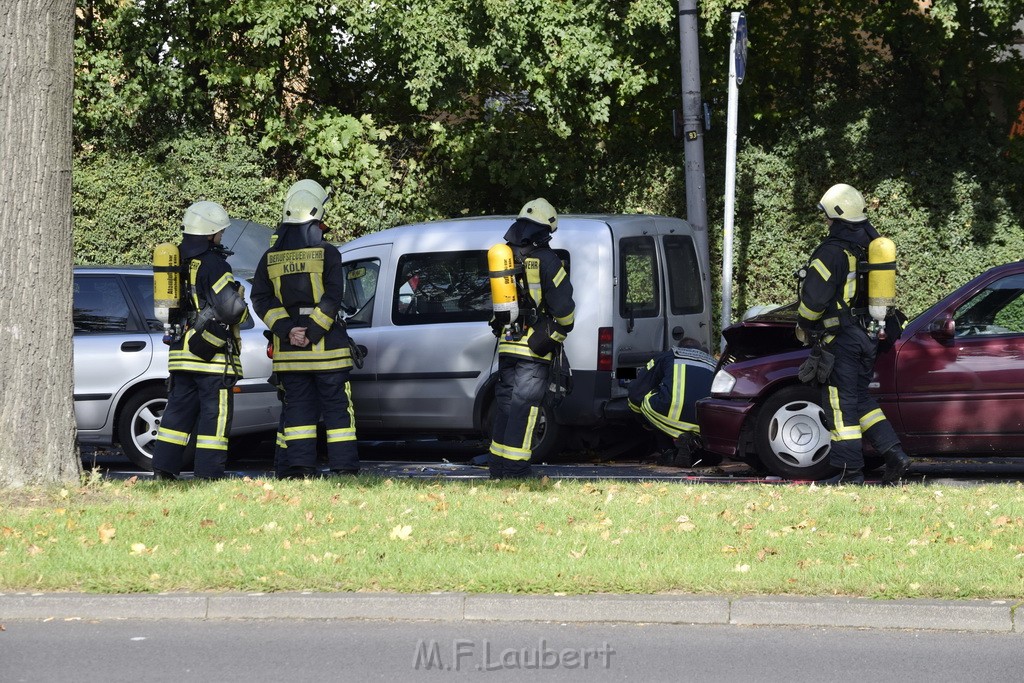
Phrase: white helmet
(205, 218)
(843, 203)
(310, 205)
(540, 211)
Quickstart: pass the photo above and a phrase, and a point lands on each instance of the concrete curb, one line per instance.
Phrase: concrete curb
(949, 615)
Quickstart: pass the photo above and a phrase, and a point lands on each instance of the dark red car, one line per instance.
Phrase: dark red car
(953, 384)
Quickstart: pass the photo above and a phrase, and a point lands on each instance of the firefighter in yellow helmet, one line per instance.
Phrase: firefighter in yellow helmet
(203, 362)
(526, 352)
(833, 315)
(298, 290)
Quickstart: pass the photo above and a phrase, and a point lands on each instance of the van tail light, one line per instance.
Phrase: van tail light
(604, 349)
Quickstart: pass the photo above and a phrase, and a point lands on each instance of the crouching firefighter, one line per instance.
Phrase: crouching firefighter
(837, 317)
(530, 332)
(202, 331)
(665, 395)
(298, 291)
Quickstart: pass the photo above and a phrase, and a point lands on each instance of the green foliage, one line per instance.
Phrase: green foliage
(429, 109)
(125, 203)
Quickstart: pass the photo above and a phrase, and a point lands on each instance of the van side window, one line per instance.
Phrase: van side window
(686, 295)
(360, 291)
(638, 271)
(441, 287)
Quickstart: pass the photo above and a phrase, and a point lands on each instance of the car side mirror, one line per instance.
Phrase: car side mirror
(943, 330)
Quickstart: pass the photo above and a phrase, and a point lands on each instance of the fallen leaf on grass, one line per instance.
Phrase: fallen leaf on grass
(106, 533)
(508, 532)
(34, 549)
(141, 549)
(742, 568)
(131, 482)
(504, 548)
(401, 533)
(206, 523)
(577, 554)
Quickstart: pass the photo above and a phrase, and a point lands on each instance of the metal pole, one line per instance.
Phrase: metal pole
(730, 181)
(693, 130)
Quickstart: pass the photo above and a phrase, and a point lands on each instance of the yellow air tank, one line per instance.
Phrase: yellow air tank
(166, 282)
(881, 277)
(504, 299)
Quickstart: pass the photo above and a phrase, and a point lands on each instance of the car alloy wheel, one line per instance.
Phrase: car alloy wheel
(790, 434)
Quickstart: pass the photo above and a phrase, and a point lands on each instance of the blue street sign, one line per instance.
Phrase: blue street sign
(741, 48)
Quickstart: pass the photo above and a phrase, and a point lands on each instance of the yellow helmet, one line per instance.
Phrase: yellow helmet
(315, 190)
(843, 203)
(205, 218)
(540, 211)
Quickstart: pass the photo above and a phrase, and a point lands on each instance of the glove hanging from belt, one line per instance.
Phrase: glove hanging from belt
(817, 367)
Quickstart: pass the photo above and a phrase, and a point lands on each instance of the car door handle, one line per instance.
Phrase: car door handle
(133, 346)
(677, 333)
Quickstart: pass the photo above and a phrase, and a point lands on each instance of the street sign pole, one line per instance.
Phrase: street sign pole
(737, 71)
(693, 127)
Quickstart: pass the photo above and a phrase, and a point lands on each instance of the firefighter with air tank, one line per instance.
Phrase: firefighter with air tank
(534, 311)
(847, 292)
(298, 291)
(201, 305)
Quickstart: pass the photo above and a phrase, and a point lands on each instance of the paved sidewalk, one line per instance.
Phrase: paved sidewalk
(945, 615)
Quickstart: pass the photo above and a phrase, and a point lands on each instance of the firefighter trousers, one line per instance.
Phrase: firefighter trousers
(308, 396)
(522, 384)
(851, 412)
(200, 404)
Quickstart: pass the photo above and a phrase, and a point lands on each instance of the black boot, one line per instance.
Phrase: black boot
(896, 465)
(846, 476)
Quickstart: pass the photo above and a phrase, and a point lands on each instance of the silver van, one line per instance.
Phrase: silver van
(419, 298)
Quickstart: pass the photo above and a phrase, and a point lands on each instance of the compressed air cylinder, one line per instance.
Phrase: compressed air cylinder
(501, 265)
(881, 277)
(166, 282)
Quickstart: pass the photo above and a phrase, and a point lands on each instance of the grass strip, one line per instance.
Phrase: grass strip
(547, 537)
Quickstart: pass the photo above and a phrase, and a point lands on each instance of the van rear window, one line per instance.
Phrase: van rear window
(638, 269)
(686, 295)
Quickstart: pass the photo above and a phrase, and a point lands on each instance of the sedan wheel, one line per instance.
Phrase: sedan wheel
(790, 435)
(138, 424)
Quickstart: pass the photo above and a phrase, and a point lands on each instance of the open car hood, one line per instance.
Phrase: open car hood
(762, 335)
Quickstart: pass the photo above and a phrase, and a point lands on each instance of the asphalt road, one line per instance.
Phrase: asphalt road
(310, 650)
(455, 459)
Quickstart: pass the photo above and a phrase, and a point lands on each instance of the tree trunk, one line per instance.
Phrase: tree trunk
(37, 419)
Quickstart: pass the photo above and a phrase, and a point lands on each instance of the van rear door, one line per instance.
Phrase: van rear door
(663, 293)
(687, 289)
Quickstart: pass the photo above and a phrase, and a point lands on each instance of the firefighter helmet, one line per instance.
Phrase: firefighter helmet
(843, 203)
(205, 218)
(313, 188)
(303, 206)
(540, 211)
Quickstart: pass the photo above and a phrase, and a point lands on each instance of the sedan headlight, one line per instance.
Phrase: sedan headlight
(723, 383)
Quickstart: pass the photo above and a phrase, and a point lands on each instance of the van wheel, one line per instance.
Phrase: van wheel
(790, 435)
(548, 435)
(137, 425)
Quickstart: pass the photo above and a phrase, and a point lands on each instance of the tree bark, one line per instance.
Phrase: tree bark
(37, 419)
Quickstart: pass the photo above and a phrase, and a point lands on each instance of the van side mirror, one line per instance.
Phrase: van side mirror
(944, 329)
